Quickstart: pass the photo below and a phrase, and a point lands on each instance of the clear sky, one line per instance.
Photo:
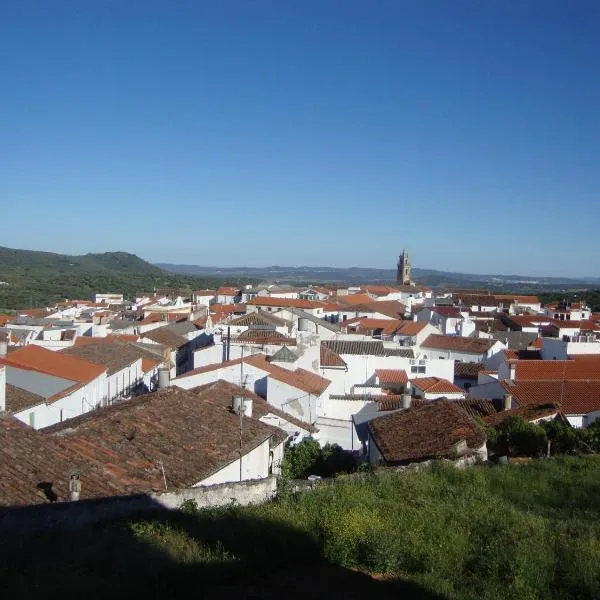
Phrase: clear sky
(257, 132)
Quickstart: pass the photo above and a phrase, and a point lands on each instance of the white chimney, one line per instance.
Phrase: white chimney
(507, 401)
(164, 378)
(2, 388)
(3, 349)
(406, 400)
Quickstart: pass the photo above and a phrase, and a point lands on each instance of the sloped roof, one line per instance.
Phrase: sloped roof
(35, 468)
(387, 326)
(164, 336)
(258, 318)
(580, 367)
(529, 412)
(330, 358)
(477, 407)
(284, 354)
(458, 343)
(411, 328)
(284, 302)
(188, 434)
(428, 430)
(467, 370)
(222, 392)
(115, 355)
(300, 378)
(575, 397)
(391, 376)
(58, 364)
(436, 385)
(18, 399)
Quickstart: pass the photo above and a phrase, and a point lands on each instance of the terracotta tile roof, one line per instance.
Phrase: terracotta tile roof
(390, 308)
(222, 391)
(258, 318)
(227, 291)
(423, 432)
(285, 302)
(575, 397)
(587, 325)
(148, 365)
(520, 299)
(353, 299)
(436, 385)
(530, 412)
(164, 336)
(411, 328)
(228, 309)
(387, 326)
(32, 462)
(18, 399)
(204, 292)
(332, 307)
(114, 356)
(581, 367)
(467, 370)
(391, 376)
(210, 368)
(447, 311)
(188, 434)
(474, 299)
(58, 364)
(329, 358)
(477, 407)
(380, 290)
(458, 343)
(300, 378)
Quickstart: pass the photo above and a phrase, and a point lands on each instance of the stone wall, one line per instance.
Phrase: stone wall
(75, 515)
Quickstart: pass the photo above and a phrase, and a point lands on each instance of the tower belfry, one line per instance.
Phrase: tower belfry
(403, 273)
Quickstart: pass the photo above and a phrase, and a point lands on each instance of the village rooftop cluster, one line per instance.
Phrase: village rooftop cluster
(177, 389)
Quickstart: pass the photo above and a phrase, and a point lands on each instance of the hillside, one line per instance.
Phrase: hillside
(530, 531)
(30, 278)
(357, 275)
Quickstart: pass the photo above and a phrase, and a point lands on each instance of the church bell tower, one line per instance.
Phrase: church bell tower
(403, 273)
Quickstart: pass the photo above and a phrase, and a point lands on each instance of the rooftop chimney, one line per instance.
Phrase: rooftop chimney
(74, 487)
(507, 401)
(3, 349)
(406, 400)
(164, 378)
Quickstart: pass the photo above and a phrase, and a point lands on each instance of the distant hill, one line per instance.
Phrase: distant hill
(31, 279)
(431, 277)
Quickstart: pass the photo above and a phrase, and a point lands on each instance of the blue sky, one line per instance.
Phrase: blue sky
(304, 133)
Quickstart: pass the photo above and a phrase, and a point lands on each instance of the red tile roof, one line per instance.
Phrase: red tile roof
(436, 385)
(387, 326)
(423, 432)
(300, 378)
(227, 291)
(391, 376)
(284, 302)
(58, 364)
(458, 343)
(353, 299)
(329, 358)
(529, 412)
(411, 328)
(581, 367)
(575, 397)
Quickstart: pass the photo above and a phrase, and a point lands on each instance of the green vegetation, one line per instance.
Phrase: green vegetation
(518, 437)
(35, 279)
(590, 297)
(530, 531)
(308, 458)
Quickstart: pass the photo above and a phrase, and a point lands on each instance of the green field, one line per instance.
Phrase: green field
(530, 531)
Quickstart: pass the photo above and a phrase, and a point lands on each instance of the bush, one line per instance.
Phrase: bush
(518, 437)
(308, 458)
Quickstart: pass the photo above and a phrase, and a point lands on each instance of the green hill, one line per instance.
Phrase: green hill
(529, 531)
(32, 279)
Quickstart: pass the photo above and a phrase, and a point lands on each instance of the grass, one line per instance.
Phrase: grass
(530, 531)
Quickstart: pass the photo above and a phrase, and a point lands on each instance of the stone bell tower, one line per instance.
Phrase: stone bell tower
(403, 273)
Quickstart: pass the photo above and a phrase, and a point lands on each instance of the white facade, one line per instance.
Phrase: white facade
(120, 384)
(256, 464)
(558, 349)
